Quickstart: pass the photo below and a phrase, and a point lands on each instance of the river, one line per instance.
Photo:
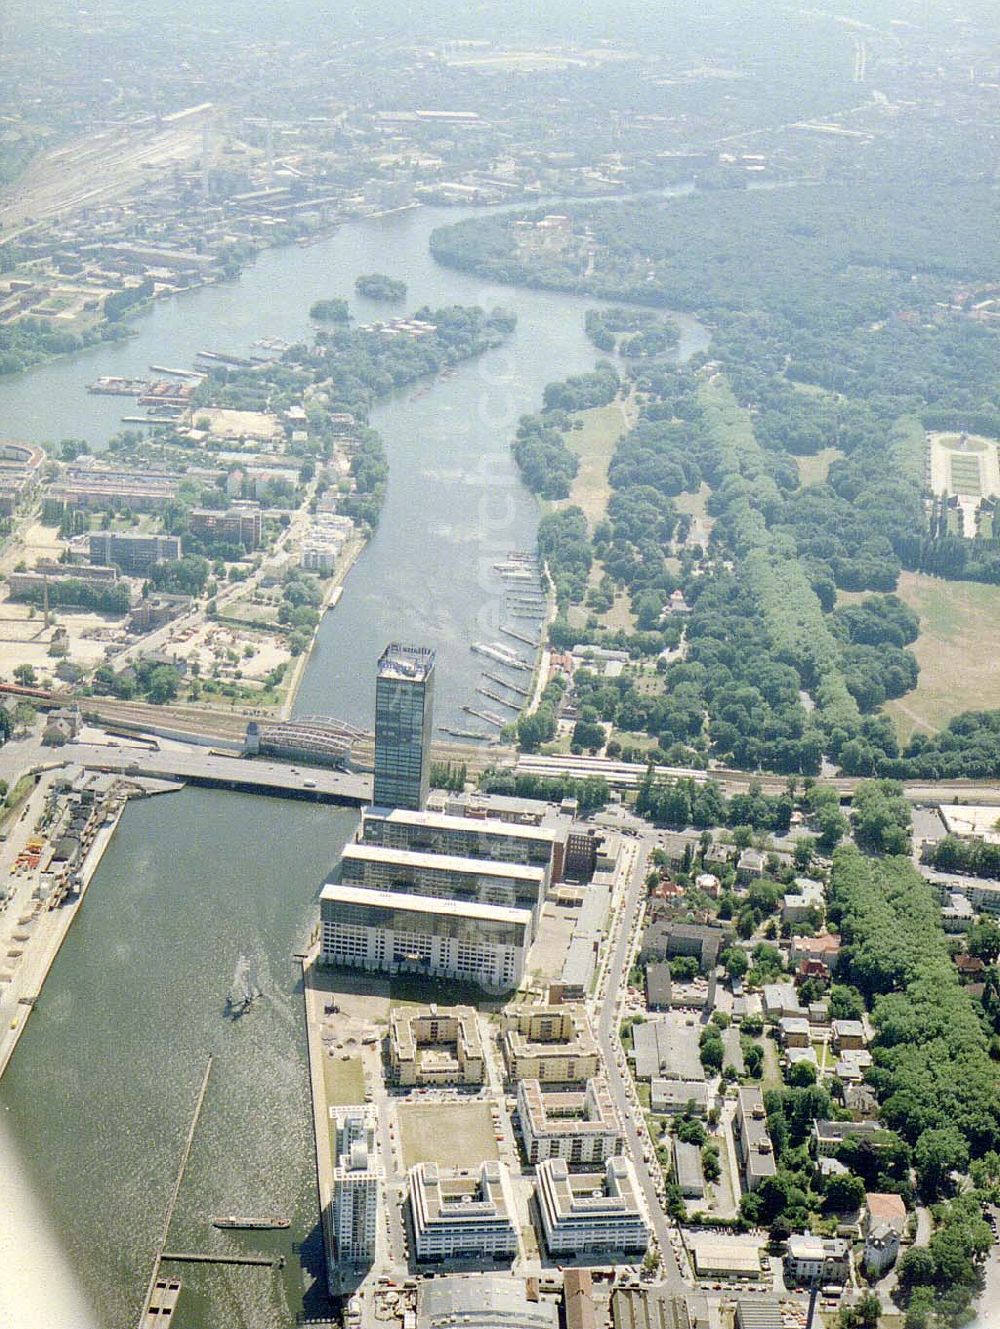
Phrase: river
(95, 1104)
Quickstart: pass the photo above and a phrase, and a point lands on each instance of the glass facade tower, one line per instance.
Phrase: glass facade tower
(404, 705)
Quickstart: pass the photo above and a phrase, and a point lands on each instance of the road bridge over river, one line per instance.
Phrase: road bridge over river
(213, 770)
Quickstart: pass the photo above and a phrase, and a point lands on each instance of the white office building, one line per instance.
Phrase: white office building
(462, 1214)
(581, 1127)
(590, 1212)
(446, 876)
(438, 938)
(356, 1182)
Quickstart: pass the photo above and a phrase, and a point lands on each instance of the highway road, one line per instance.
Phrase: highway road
(613, 988)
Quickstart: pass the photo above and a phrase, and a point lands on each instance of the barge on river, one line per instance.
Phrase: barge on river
(250, 1224)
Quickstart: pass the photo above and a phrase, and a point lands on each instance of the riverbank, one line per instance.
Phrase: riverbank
(331, 596)
(51, 928)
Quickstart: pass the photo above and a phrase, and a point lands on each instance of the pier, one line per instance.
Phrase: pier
(533, 642)
(222, 358)
(185, 1155)
(484, 715)
(495, 696)
(198, 1257)
(495, 678)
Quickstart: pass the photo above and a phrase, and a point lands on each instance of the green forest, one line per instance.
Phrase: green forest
(840, 325)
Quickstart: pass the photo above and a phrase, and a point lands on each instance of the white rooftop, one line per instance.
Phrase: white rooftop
(479, 867)
(445, 822)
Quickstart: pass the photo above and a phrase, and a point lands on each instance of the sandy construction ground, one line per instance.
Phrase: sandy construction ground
(209, 644)
(24, 638)
(225, 423)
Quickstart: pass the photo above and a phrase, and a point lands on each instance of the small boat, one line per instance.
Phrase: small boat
(245, 989)
(257, 1224)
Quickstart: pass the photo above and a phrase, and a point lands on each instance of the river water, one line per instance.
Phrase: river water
(96, 1101)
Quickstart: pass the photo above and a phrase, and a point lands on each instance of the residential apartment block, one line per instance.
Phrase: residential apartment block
(241, 524)
(133, 554)
(753, 1144)
(818, 1260)
(582, 1128)
(356, 1181)
(550, 1044)
(428, 1046)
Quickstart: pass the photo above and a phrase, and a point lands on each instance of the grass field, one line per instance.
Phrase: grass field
(453, 1134)
(594, 444)
(344, 1081)
(814, 470)
(956, 650)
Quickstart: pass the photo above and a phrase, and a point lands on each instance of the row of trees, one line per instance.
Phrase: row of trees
(980, 858)
(935, 1079)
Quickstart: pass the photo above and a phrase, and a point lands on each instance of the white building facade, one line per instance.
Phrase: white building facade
(356, 1183)
(587, 1213)
(462, 1214)
(396, 932)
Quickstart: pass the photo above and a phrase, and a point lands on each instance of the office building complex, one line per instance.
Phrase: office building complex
(460, 836)
(399, 933)
(590, 1212)
(404, 702)
(551, 1044)
(428, 1046)
(582, 1128)
(134, 554)
(356, 1179)
(462, 1214)
(443, 876)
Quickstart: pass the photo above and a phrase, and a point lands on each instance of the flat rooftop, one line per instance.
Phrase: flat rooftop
(477, 867)
(343, 893)
(412, 664)
(468, 825)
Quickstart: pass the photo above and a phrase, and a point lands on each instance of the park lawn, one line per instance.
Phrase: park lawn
(694, 504)
(956, 651)
(814, 470)
(456, 1135)
(594, 444)
(620, 614)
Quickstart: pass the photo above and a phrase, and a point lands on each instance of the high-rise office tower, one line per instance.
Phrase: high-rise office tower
(404, 704)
